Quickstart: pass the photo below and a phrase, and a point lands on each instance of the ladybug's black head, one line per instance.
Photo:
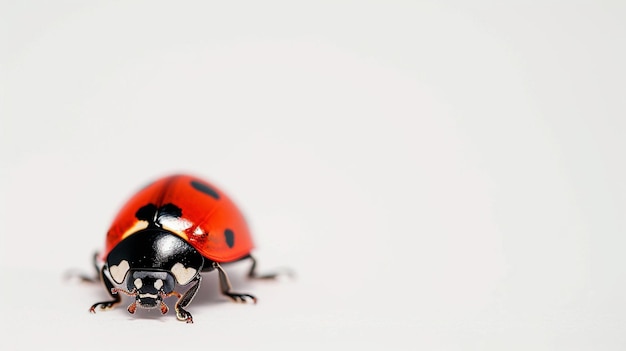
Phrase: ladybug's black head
(150, 287)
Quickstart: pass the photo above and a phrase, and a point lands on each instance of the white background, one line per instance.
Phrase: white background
(442, 176)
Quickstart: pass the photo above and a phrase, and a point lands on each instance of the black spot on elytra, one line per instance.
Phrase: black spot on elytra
(205, 189)
(146, 213)
(230, 237)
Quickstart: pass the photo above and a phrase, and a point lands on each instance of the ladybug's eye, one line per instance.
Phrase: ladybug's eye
(138, 283)
(158, 284)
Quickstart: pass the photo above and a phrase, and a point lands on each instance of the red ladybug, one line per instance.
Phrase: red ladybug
(167, 234)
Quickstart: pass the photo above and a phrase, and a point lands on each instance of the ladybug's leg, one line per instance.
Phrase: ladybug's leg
(255, 275)
(87, 278)
(110, 288)
(184, 300)
(97, 276)
(227, 288)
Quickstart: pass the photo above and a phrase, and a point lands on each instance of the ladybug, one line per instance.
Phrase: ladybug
(165, 236)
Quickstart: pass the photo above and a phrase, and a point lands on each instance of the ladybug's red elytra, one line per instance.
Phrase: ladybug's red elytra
(166, 235)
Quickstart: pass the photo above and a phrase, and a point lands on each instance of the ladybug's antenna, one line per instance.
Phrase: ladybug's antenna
(125, 292)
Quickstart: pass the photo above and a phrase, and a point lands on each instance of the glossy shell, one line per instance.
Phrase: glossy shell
(191, 208)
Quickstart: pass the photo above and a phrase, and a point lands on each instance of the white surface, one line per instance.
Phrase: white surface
(441, 176)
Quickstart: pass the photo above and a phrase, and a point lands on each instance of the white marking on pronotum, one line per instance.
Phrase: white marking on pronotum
(118, 272)
(158, 284)
(183, 275)
(138, 283)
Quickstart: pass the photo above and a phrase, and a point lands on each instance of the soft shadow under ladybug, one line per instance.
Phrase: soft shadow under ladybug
(167, 234)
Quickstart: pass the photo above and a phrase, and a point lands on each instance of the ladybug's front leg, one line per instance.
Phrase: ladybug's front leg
(110, 287)
(185, 299)
(227, 288)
